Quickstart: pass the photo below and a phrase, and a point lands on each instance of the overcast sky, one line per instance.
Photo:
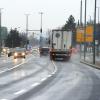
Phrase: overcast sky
(55, 12)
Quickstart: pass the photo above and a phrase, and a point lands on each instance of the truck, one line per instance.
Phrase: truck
(60, 44)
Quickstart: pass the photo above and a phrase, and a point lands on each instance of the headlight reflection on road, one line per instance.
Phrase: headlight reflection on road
(4, 61)
(15, 54)
(23, 60)
(15, 61)
(19, 74)
(23, 54)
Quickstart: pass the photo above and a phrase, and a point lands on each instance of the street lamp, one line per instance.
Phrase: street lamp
(27, 15)
(94, 32)
(80, 25)
(81, 13)
(85, 30)
(41, 13)
(98, 14)
(0, 32)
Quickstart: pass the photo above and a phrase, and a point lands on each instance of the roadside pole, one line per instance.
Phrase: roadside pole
(81, 27)
(27, 15)
(41, 30)
(94, 32)
(85, 31)
(0, 33)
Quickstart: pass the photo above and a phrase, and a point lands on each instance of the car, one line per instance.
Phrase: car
(44, 50)
(19, 53)
(5, 50)
(11, 51)
(35, 49)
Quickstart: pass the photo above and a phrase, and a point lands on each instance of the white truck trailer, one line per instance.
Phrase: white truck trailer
(60, 44)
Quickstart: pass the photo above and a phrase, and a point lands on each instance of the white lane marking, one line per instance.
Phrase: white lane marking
(20, 92)
(15, 66)
(11, 68)
(49, 76)
(3, 99)
(35, 84)
(55, 68)
(44, 79)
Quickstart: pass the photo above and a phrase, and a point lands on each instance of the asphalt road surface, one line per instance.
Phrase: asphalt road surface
(29, 79)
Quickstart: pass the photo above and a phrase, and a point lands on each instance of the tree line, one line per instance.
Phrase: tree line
(15, 39)
(71, 25)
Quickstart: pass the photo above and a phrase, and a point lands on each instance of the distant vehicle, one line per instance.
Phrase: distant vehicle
(35, 49)
(19, 53)
(11, 51)
(44, 50)
(5, 50)
(60, 44)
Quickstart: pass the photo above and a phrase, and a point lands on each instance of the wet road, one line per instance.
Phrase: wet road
(20, 75)
(72, 81)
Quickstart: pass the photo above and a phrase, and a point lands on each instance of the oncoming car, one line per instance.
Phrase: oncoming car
(5, 50)
(19, 53)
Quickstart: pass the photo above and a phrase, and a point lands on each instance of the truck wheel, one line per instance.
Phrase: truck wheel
(66, 58)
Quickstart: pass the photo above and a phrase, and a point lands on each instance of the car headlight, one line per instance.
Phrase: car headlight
(4, 50)
(23, 54)
(15, 54)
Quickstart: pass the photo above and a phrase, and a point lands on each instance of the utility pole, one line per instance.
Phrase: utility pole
(0, 32)
(81, 14)
(80, 26)
(90, 20)
(41, 22)
(41, 13)
(98, 14)
(85, 30)
(27, 15)
(94, 32)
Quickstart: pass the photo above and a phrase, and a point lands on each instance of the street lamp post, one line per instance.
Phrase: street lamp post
(85, 31)
(98, 14)
(94, 32)
(41, 29)
(41, 22)
(0, 32)
(80, 25)
(27, 15)
(81, 14)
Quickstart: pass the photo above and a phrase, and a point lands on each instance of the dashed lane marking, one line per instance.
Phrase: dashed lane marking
(20, 92)
(35, 84)
(49, 76)
(3, 99)
(11, 68)
(14, 66)
(44, 79)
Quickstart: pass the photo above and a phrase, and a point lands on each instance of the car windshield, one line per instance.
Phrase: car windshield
(20, 50)
(49, 49)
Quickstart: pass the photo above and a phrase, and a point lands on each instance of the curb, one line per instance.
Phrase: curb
(92, 65)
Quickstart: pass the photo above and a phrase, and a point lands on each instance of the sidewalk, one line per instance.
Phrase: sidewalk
(90, 63)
